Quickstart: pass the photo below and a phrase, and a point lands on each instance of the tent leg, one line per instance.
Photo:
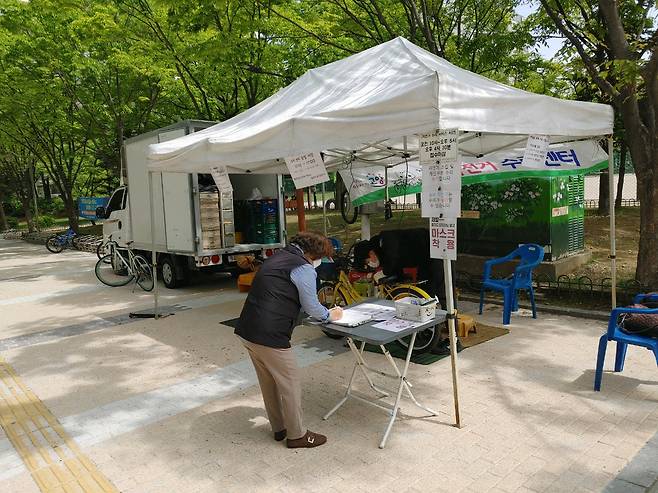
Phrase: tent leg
(154, 256)
(450, 308)
(613, 245)
(324, 212)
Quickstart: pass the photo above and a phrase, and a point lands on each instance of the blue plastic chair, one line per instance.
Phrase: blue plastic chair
(623, 339)
(530, 256)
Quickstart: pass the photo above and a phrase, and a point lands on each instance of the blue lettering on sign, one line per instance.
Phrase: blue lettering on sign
(558, 158)
(87, 206)
(513, 162)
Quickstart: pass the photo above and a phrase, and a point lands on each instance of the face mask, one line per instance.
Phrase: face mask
(373, 264)
(316, 263)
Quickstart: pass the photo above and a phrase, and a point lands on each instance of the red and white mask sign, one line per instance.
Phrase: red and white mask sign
(443, 238)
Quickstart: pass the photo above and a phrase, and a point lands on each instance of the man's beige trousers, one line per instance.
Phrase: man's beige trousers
(280, 384)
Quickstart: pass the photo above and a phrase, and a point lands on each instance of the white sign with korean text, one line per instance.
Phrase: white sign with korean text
(443, 238)
(440, 145)
(437, 198)
(441, 174)
(220, 175)
(307, 169)
(536, 150)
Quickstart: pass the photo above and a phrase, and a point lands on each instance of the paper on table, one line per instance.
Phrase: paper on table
(377, 312)
(397, 325)
(352, 317)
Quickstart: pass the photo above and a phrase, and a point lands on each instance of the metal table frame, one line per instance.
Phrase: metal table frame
(366, 334)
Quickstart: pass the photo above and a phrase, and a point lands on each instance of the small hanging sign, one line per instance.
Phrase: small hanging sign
(440, 145)
(307, 169)
(220, 175)
(443, 238)
(535, 150)
(441, 174)
(439, 197)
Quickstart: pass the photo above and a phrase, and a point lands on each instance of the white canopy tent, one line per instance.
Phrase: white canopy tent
(369, 107)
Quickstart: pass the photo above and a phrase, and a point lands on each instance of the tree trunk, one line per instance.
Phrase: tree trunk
(622, 171)
(647, 254)
(4, 225)
(71, 212)
(604, 193)
(46, 187)
(29, 219)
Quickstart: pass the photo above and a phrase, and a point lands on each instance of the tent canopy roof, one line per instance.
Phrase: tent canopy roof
(367, 102)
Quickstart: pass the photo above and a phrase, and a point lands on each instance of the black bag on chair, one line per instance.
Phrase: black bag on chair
(641, 324)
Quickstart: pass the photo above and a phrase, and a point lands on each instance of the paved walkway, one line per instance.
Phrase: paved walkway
(171, 405)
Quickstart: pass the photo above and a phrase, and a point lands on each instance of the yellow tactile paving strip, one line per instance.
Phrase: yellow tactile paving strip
(55, 461)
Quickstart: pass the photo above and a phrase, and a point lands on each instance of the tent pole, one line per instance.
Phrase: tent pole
(452, 314)
(613, 245)
(365, 226)
(324, 212)
(154, 259)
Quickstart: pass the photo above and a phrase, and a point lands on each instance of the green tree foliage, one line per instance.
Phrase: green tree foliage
(616, 43)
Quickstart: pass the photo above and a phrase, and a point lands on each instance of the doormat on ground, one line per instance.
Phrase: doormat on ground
(484, 333)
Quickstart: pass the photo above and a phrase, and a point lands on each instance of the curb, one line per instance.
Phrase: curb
(557, 310)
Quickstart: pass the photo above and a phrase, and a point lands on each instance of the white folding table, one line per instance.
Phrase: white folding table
(367, 334)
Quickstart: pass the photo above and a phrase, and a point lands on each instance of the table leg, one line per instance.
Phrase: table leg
(396, 406)
(358, 354)
(407, 385)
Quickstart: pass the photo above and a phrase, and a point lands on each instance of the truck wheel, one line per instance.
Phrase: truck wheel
(173, 274)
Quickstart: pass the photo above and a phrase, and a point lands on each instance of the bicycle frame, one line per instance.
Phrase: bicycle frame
(351, 295)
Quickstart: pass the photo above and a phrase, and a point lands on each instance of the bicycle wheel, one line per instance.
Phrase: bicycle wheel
(75, 242)
(55, 244)
(329, 297)
(144, 273)
(427, 339)
(102, 250)
(348, 211)
(108, 271)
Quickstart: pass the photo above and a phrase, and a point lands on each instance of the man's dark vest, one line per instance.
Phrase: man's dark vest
(272, 306)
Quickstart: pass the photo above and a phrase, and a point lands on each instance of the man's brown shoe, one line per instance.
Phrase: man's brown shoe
(280, 435)
(309, 440)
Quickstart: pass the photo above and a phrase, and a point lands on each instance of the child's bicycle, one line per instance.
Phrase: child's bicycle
(342, 293)
(57, 242)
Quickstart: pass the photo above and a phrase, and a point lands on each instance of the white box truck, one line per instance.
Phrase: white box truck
(196, 227)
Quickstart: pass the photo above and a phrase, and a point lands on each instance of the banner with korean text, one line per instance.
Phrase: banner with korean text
(368, 184)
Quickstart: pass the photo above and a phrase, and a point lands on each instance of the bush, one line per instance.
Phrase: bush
(54, 206)
(13, 222)
(46, 221)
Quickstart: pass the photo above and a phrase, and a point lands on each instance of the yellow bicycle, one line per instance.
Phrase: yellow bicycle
(343, 293)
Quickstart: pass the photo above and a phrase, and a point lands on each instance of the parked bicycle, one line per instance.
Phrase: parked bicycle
(121, 266)
(342, 293)
(58, 242)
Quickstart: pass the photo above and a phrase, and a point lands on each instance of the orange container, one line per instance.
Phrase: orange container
(245, 281)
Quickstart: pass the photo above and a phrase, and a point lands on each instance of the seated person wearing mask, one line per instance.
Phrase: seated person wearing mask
(283, 285)
(395, 250)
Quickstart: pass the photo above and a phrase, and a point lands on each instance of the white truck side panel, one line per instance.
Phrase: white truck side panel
(140, 216)
(179, 217)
